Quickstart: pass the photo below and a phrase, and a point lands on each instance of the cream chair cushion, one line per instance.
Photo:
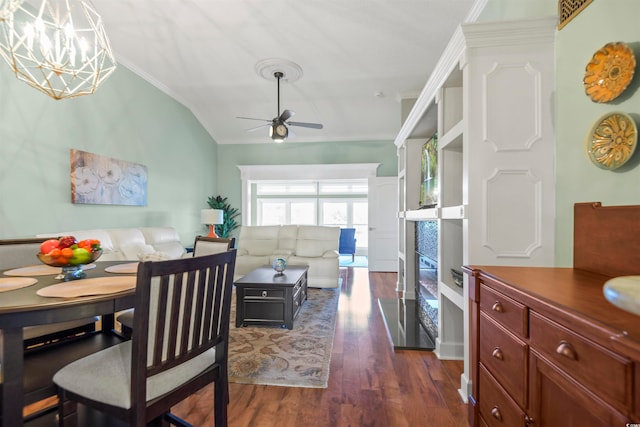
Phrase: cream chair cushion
(110, 373)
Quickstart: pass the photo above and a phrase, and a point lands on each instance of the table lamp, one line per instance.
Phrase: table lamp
(212, 217)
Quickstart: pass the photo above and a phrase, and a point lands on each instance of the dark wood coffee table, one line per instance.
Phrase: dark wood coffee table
(264, 297)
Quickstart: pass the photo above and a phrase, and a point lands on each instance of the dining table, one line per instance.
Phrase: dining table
(39, 297)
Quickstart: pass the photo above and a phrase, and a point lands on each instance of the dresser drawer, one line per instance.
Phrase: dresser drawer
(496, 408)
(506, 311)
(505, 356)
(605, 373)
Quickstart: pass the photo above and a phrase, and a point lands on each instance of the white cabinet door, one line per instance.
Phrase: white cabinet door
(383, 224)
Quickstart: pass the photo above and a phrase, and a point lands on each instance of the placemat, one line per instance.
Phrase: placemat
(130, 267)
(86, 287)
(40, 270)
(12, 283)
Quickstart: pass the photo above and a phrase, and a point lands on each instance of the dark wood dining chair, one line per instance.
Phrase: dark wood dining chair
(179, 345)
(203, 245)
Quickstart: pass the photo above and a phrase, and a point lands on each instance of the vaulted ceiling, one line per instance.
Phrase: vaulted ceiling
(357, 59)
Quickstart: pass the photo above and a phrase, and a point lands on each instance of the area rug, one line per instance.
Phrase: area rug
(300, 357)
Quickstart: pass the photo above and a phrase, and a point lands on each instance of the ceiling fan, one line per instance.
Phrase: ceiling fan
(278, 126)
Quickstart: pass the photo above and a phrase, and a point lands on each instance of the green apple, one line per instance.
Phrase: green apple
(80, 256)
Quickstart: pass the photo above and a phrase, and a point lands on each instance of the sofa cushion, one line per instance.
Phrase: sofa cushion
(126, 236)
(173, 250)
(314, 241)
(157, 235)
(287, 238)
(259, 240)
(164, 240)
(136, 251)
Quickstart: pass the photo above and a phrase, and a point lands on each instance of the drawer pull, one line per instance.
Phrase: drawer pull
(497, 307)
(495, 413)
(565, 349)
(264, 294)
(497, 353)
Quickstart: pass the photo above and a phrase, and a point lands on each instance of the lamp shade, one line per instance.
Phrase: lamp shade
(211, 216)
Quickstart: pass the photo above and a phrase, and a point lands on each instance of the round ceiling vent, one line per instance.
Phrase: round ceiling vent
(267, 68)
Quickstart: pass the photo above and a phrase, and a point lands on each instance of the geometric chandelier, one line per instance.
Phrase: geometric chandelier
(60, 49)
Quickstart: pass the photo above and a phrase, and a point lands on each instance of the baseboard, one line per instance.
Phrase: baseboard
(449, 350)
(465, 387)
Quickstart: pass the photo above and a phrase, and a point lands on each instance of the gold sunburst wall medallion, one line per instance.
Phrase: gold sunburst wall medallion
(612, 140)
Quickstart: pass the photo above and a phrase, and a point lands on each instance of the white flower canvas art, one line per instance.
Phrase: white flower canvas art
(102, 180)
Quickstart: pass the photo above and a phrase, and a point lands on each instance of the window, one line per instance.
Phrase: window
(283, 211)
(341, 203)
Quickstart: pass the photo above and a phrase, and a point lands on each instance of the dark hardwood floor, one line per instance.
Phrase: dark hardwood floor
(369, 383)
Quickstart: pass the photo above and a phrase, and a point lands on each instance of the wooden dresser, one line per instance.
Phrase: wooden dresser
(547, 349)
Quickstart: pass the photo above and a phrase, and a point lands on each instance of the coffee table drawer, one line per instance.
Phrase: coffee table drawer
(263, 312)
(264, 293)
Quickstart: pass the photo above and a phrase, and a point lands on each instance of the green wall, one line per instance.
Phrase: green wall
(578, 179)
(269, 153)
(496, 10)
(127, 119)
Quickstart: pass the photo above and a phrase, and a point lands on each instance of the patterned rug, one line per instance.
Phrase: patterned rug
(299, 357)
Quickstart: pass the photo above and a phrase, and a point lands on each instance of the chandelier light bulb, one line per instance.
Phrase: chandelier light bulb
(7, 7)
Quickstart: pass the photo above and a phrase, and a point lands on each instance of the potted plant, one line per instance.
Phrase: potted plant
(229, 224)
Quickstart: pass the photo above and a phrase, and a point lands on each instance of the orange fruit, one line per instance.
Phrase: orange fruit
(66, 253)
(55, 253)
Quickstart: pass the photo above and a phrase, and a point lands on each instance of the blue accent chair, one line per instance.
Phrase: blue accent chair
(347, 242)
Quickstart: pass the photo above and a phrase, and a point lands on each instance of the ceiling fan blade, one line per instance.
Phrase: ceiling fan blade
(258, 127)
(306, 125)
(252, 118)
(286, 115)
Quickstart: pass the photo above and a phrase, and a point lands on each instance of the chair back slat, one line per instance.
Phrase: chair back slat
(221, 322)
(174, 318)
(188, 322)
(182, 310)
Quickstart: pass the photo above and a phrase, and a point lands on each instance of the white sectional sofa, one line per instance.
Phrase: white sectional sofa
(315, 246)
(122, 244)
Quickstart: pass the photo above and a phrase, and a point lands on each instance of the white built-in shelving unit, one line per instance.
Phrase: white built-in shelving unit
(492, 95)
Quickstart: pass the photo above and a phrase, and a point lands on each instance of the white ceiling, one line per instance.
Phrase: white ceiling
(359, 59)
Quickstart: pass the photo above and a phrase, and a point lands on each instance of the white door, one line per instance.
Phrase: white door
(383, 224)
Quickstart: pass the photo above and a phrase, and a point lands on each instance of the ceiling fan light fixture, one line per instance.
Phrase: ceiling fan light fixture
(278, 132)
(279, 69)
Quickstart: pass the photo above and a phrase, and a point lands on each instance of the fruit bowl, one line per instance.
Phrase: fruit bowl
(71, 268)
(69, 254)
(53, 262)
